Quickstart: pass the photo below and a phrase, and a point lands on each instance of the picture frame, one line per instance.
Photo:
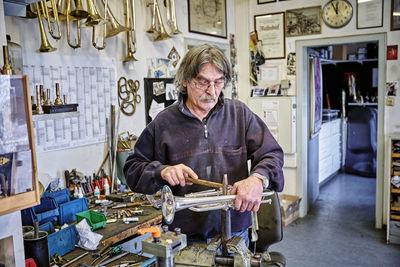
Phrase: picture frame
(369, 14)
(270, 30)
(392, 51)
(394, 18)
(18, 169)
(303, 21)
(260, 2)
(208, 17)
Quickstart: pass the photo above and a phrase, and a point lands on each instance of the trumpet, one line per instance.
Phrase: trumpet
(68, 17)
(79, 12)
(131, 34)
(198, 202)
(45, 45)
(51, 21)
(162, 33)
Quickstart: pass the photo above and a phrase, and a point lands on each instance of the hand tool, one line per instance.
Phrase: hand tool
(127, 205)
(104, 263)
(203, 182)
(114, 251)
(75, 259)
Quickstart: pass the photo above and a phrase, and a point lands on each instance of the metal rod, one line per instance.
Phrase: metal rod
(75, 259)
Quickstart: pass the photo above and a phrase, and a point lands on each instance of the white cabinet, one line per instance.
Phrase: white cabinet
(330, 149)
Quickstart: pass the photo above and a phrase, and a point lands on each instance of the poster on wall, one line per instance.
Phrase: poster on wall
(7, 257)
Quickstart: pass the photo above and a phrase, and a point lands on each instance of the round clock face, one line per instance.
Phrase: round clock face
(337, 13)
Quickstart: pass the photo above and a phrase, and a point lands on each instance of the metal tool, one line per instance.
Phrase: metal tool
(114, 259)
(75, 259)
(114, 251)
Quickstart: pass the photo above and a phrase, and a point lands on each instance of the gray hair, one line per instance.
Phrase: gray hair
(194, 60)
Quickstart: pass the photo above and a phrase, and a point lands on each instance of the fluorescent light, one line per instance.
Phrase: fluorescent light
(363, 1)
(396, 14)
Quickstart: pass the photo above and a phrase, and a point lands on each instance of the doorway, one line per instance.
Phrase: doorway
(303, 132)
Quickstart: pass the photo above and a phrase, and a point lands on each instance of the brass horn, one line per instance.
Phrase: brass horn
(153, 27)
(94, 39)
(30, 13)
(199, 202)
(131, 34)
(172, 17)
(51, 18)
(162, 33)
(94, 18)
(79, 12)
(68, 17)
(113, 27)
(45, 45)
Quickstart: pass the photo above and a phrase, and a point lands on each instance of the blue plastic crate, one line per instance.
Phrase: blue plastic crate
(46, 211)
(47, 227)
(62, 241)
(60, 196)
(70, 208)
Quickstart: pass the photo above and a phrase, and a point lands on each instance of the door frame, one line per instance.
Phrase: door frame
(302, 68)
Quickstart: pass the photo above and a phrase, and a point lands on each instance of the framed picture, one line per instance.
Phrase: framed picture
(208, 17)
(303, 21)
(369, 14)
(392, 52)
(395, 18)
(265, 1)
(19, 187)
(271, 33)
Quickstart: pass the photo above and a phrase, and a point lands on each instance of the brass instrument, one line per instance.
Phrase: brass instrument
(79, 12)
(162, 33)
(171, 15)
(30, 13)
(45, 45)
(94, 17)
(153, 27)
(7, 67)
(94, 39)
(113, 27)
(131, 34)
(51, 20)
(68, 17)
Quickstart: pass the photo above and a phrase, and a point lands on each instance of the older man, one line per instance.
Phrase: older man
(206, 136)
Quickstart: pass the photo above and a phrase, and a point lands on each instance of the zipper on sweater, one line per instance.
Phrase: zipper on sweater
(205, 128)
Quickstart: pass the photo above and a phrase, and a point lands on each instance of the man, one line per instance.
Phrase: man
(206, 136)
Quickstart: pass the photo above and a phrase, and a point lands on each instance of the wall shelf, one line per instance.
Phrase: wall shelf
(55, 116)
(361, 61)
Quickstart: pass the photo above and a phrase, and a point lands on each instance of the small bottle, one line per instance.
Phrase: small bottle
(106, 187)
(97, 192)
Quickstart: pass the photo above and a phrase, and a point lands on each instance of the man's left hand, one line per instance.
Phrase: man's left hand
(248, 194)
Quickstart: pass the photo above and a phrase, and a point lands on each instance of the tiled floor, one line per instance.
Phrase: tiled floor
(340, 229)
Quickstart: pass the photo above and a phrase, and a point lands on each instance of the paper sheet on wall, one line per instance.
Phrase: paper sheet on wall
(3, 40)
(90, 82)
(270, 111)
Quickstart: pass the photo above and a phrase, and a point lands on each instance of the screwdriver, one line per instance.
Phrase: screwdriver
(112, 253)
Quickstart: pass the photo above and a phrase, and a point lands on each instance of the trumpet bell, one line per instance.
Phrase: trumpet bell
(79, 12)
(46, 48)
(162, 36)
(168, 204)
(129, 57)
(94, 18)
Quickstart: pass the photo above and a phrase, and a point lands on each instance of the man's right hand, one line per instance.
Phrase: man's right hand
(176, 174)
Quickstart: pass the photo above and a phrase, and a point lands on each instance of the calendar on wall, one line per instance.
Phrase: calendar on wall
(89, 82)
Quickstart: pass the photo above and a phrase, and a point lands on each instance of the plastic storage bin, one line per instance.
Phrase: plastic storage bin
(60, 197)
(46, 211)
(95, 219)
(62, 241)
(70, 208)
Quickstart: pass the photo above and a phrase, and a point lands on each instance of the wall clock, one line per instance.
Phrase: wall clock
(337, 13)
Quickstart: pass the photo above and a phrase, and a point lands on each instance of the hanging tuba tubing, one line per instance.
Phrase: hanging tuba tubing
(172, 204)
(129, 10)
(172, 21)
(68, 18)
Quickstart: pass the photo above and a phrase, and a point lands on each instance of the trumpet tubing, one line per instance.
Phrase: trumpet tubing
(94, 17)
(113, 27)
(129, 10)
(153, 27)
(173, 23)
(44, 45)
(68, 17)
(161, 33)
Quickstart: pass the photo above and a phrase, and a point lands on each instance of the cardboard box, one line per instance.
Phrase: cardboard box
(289, 207)
(339, 52)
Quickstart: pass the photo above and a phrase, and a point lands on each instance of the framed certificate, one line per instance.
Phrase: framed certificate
(369, 14)
(271, 32)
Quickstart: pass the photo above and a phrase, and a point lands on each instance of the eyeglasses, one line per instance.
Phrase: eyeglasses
(204, 84)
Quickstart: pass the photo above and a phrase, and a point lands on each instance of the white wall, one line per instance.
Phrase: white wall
(11, 225)
(87, 159)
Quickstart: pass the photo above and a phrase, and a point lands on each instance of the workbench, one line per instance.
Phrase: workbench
(118, 232)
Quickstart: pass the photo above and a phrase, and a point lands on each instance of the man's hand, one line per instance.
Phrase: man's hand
(175, 174)
(248, 194)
